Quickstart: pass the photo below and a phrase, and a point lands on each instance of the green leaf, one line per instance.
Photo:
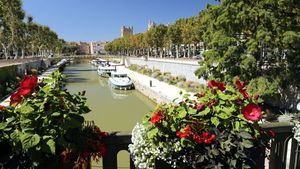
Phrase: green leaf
(215, 121)
(245, 135)
(204, 112)
(152, 133)
(29, 140)
(223, 116)
(55, 114)
(51, 144)
(247, 143)
(25, 109)
(192, 111)
(3, 125)
(182, 113)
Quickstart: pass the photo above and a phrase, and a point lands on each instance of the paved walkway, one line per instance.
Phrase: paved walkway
(160, 91)
(9, 62)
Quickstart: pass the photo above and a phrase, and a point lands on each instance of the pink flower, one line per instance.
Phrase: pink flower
(252, 112)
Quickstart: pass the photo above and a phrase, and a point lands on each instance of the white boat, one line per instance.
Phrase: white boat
(105, 71)
(93, 62)
(120, 81)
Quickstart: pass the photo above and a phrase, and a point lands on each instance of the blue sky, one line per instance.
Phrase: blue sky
(93, 20)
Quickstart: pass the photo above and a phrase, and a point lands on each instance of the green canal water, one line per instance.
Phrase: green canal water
(111, 110)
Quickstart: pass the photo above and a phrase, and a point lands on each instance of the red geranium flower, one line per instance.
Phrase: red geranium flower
(199, 106)
(215, 84)
(252, 112)
(187, 132)
(244, 93)
(239, 84)
(24, 91)
(15, 98)
(156, 118)
(256, 97)
(29, 82)
(211, 103)
(198, 138)
(208, 138)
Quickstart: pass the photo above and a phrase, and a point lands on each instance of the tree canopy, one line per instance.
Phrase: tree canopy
(20, 34)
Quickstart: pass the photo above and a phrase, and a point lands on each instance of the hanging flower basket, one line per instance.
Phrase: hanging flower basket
(217, 129)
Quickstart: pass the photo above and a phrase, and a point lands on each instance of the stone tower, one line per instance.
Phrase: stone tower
(125, 31)
(151, 24)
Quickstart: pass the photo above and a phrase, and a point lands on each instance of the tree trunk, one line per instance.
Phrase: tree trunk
(23, 54)
(189, 51)
(177, 51)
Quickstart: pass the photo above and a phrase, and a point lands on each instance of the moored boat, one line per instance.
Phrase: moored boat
(105, 71)
(120, 81)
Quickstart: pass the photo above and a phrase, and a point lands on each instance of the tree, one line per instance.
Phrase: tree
(259, 41)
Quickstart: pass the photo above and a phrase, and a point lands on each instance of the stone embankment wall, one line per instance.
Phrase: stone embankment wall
(11, 74)
(186, 68)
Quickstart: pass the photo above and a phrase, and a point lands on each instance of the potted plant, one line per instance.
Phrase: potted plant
(44, 128)
(217, 128)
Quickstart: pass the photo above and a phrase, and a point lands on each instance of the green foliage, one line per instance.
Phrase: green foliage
(255, 40)
(179, 81)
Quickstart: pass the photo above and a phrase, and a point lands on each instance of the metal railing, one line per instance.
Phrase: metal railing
(283, 152)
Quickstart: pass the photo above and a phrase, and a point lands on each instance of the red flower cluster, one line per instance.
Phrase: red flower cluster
(156, 118)
(215, 84)
(28, 84)
(252, 112)
(241, 86)
(206, 138)
(187, 132)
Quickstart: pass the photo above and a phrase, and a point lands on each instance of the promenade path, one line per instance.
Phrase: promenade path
(9, 62)
(161, 92)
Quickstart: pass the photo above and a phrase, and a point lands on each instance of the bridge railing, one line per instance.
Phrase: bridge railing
(283, 152)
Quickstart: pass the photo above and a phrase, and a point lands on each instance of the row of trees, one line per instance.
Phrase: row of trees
(20, 36)
(257, 40)
(181, 39)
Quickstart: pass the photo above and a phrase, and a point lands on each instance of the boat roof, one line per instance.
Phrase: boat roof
(118, 73)
(107, 67)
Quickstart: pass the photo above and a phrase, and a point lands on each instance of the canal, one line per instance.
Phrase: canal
(111, 110)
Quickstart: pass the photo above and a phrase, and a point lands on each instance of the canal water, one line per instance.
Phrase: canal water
(111, 110)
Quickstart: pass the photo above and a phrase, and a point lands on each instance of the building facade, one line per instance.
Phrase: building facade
(98, 48)
(125, 31)
(151, 24)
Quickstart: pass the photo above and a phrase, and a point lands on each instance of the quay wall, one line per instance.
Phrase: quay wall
(10, 74)
(175, 67)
